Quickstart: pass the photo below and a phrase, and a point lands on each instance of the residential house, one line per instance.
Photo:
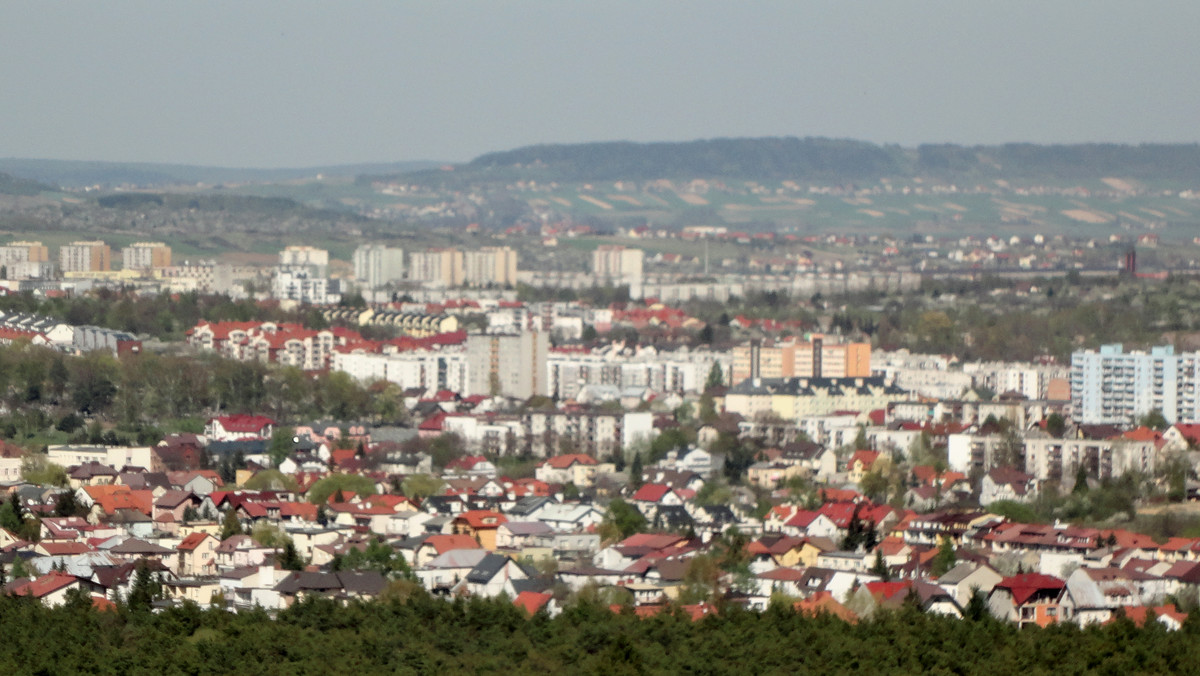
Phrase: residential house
(1031, 599)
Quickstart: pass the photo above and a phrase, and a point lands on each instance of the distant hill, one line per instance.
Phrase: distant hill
(79, 174)
(818, 159)
(11, 185)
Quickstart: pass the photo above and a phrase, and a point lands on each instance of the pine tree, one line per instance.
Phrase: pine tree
(635, 471)
(231, 525)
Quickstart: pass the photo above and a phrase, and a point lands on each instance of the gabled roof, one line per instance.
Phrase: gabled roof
(444, 543)
(651, 492)
(1024, 586)
(192, 541)
(565, 461)
(243, 423)
(531, 602)
(42, 586)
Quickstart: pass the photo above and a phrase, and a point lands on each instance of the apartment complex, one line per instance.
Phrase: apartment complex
(1112, 386)
(618, 265)
(146, 256)
(24, 252)
(490, 266)
(816, 357)
(511, 365)
(301, 285)
(85, 257)
(443, 267)
(313, 258)
(376, 265)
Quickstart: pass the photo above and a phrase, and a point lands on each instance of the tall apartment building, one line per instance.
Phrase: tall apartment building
(24, 252)
(617, 265)
(306, 256)
(813, 358)
(301, 285)
(1114, 386)
(511, 365)
(491, 265)
(376, 265)
(85, 257)
(443, 267)
(146, 256)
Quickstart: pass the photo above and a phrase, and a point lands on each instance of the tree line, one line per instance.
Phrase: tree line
(410, 632)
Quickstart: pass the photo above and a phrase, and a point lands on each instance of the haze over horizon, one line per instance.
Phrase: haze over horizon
(272, 84)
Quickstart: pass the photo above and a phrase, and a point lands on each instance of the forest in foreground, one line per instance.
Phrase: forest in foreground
(424, 635)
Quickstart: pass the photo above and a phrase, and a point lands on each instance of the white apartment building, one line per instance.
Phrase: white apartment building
(376, 265)
(303, 286)
(427, 369)
(617, 265)
(146, 256)
(681, 371)
(1114, 386)
(306, 256)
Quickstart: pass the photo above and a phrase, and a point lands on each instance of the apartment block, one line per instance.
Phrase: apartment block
(146, 256)
(617, 265)
(490, 266)
(306, 256)
(442, 267)
(85, 257)
(376, 265)
(511, 365)
(1112, 386)
(816, 357)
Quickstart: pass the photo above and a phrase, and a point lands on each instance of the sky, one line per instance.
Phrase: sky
(253, 83)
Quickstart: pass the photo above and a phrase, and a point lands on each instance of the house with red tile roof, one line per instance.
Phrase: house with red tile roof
(532, 602)
(859, 464)
(52, 588)
(197, 555)
(235, 427)
(480, 525)
(1031, 599)
(436, 545)
(576, 468)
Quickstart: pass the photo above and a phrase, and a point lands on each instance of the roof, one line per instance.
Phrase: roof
(444, 543)
(192, 541)
(531, 602)
(565, 461)
(482, 518)
(651, 492)
(42, 586)
(1024, 586)
(243, 423)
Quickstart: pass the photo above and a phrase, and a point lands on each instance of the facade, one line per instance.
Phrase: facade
(793, 399)
(440, 267)
(427, 369)
(23, 252)
(376, 265)
(490, 266)
(618, 265)
(301, 285)
(146, 256)
(306, 256)
(511, 365)
(817, 357)
(85, 257)
(1111, 386)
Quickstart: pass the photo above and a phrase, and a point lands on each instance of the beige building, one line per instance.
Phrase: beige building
(511, 365)
(617, 265)
(813, 358)
(491, 265)
(146, 256)
(85, 257)
(438, 266)
(24, 252)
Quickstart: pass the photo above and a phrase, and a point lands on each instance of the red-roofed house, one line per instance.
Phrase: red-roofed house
(235, 427)
(197, 555)
(1031, 598)
(436, 545)
(859, 464)
(481, 525)
(531, 602)
(51, 589)
(576, 468)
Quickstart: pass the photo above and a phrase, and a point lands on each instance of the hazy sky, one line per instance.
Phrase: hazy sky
(274, 84)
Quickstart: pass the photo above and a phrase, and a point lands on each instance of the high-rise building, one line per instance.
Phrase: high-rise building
(85, 257)
(24, 252)
(491, 265)
(1111, 386)
(317, 260)
(511, 365)
(443, 267)
(617, 265)
(146, 256)
(813, 358)
(376, 265)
